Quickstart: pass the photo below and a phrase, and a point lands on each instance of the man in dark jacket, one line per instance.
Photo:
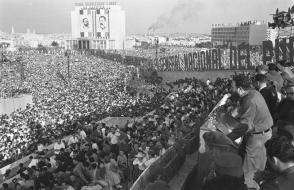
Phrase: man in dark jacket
(268, 92)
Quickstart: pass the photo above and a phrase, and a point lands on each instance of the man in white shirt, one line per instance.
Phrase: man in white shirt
(58, 145)
(140, 161)
(152, 158)
(73, 139)
(113, 136)
(82, 134)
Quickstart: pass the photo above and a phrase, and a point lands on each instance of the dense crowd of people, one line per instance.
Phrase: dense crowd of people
(96, 88)
(256, 153)
(98, 156)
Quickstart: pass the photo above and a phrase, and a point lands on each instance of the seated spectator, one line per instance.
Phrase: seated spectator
(58, 145)
(281, 157)
(139, 163)
(152, 158)
(73, 139)
(111, 173)
(224, 182)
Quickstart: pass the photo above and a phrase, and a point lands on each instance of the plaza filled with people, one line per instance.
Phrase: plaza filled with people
(96, 91)
(97, 156)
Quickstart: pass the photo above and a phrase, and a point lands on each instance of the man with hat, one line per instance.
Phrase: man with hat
(217, 147)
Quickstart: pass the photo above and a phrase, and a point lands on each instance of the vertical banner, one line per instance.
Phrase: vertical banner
(214, 59)
(219, 65)
(191, 61)
(267, 51)
(202, 57)
(177, 63)
(102, 23)
(86, 23)
(243, 56)
(208, 59)
(233, 57)
(186, 60)
(195, 61)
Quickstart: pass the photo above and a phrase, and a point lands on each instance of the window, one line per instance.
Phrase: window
(81, 12)
(98, 11)
(82, 34)
(99, 34)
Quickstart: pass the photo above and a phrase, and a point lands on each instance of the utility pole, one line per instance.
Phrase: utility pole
(68, 74)
(156, 50)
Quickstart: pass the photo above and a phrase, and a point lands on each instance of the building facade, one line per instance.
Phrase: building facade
(97, 25)
(252, 34)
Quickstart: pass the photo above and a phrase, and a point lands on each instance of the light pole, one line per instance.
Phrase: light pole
(67, 54)
(156, 47)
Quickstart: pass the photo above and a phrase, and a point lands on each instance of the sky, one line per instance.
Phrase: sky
(167, 16)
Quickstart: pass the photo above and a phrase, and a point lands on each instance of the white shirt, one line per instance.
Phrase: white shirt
(58, 146)
(141, 164)
(94, 146)
(113, 137)
(150, 161)
(40, 148)
(34, 162)
(72, 140)
(83, 135)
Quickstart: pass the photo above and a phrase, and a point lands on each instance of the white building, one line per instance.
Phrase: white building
(97, 25)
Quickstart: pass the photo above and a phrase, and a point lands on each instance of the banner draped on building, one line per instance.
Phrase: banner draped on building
(242, 57)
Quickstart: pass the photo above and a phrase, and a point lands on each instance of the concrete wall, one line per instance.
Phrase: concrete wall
(204, 75)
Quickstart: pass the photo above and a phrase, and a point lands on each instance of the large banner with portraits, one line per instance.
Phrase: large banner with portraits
(102, 23)
(86, 23)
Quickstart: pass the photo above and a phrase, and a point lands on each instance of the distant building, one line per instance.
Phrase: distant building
(250, 33)
(97, 25)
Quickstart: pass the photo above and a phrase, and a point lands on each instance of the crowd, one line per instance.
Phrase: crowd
(98, 156)
(257, 151)
(259, 111)
(95, 89)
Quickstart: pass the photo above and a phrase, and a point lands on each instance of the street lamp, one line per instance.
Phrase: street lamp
(67, 54)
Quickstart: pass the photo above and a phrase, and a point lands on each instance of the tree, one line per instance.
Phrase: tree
(54, 44)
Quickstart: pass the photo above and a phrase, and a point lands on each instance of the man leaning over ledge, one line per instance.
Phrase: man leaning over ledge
(253, 124)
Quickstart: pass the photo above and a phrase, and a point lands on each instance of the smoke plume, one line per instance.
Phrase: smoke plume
(183, 11)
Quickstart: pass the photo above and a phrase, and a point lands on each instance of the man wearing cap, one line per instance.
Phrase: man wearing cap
(253, 123)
